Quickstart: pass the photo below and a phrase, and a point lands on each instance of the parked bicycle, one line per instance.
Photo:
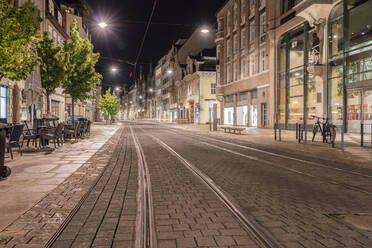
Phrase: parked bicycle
(325, 128)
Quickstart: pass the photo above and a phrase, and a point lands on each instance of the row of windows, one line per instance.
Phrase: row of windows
(54, 11)
(234, 46)
(247, 66)
(58, 39)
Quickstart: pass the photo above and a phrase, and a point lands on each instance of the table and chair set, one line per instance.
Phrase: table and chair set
(42, 131)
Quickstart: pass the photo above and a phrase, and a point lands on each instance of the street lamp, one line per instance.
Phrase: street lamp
(102, 25)
(205, 30)
(140, 97)
(169, 71)
(114, 69)
(117, 89)
(151, 90)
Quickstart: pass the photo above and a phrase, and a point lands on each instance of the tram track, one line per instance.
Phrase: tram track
(260, 235)
(145, 228)
(301, 162)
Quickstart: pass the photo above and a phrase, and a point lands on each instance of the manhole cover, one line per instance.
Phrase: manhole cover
(361, 222)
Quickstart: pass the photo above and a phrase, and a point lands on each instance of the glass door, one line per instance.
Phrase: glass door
(354, 111)
(367, 110)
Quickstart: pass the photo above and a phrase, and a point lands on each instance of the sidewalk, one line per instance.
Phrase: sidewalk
(34, 175)
(353, 153)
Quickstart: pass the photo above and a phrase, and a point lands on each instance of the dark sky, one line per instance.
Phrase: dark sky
(127, 19)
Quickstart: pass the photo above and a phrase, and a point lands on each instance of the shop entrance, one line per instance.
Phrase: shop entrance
(359, 110)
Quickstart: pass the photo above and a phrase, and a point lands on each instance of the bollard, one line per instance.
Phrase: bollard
(4, 170)
(280, 133)
(275, 127)
(305, 130)
(296, 130)
(342, 138)
(371, 135)
(361, 134)
(299, 133)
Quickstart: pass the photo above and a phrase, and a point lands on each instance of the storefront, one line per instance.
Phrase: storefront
(297, 93)
(3, 103)
(350, 65)
(242, 109)
(228, 111)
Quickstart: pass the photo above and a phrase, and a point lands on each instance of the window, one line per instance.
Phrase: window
(236, 18)
(251, 7)
(229, 23)
(242, 68)
(213, 88)
(59, 18)
(263, 59)
(55, 108)
(228, 48)
(243, 5)
(51, 7)
(228, 73)
(252, 28)
(243, 37)
(235, 70)
(236, 43)
(3, 102)
(263, 114)
(263, 24)
(251, 65)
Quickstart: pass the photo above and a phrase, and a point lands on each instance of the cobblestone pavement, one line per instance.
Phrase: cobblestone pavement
(290, 199)
(34, 175)
(36, 225)
(294, 200)
(107, 216)
(187, 213)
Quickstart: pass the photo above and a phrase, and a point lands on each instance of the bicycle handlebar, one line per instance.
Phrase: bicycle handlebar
(321, 118)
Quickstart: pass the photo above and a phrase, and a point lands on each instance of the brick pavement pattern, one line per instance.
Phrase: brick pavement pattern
(295, 208)
(187, 212)
(107, 216)
(37, 225)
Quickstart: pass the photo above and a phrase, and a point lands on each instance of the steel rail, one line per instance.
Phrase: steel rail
(276, 154)
(77, 207)
(259, 234)
(348, 186)
(145, 227)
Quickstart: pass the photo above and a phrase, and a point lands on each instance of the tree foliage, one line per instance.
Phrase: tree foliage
(19, 28)
(52, 66)
(80, 75)
(109, 103)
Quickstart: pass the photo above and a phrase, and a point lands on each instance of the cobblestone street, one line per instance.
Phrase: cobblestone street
(203, 191)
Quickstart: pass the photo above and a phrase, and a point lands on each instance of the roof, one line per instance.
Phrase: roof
(195, 44)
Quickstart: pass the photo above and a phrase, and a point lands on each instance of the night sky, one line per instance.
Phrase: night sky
(127, 19)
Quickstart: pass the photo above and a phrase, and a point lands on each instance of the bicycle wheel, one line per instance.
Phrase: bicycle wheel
(315, 131)
(332, 134)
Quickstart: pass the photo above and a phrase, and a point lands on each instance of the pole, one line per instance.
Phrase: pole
(296, 130)
(280, 133)
(361, 134)
(342, 137)
(210, 120)
(275, 127)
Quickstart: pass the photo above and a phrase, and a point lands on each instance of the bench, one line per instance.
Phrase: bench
(233, 129)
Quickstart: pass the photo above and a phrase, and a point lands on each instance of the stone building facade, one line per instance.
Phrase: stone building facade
(243, 52)
(317, 62)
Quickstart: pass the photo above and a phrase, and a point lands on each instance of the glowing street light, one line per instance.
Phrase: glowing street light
(140, 97)
(205, 30)
(117, 89)
(114, 69)
(102, 25)
(169, 71)
(151, 90)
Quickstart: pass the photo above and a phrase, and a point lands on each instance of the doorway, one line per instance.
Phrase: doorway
(359, 110)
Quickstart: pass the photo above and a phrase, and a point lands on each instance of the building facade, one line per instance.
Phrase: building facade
(243, 79)
(301, 59)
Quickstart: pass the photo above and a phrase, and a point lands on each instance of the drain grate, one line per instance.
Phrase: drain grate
(360, 222)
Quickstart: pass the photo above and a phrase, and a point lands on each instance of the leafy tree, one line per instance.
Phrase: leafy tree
(52, 66)
(109, 104)
(80, 76)
(19, 28)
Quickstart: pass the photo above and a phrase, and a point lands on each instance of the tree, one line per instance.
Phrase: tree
(19, 28)
(109, 104)
(81, 77)
(52, 66)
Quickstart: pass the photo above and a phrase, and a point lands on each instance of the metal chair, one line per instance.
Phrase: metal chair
(13, 140)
